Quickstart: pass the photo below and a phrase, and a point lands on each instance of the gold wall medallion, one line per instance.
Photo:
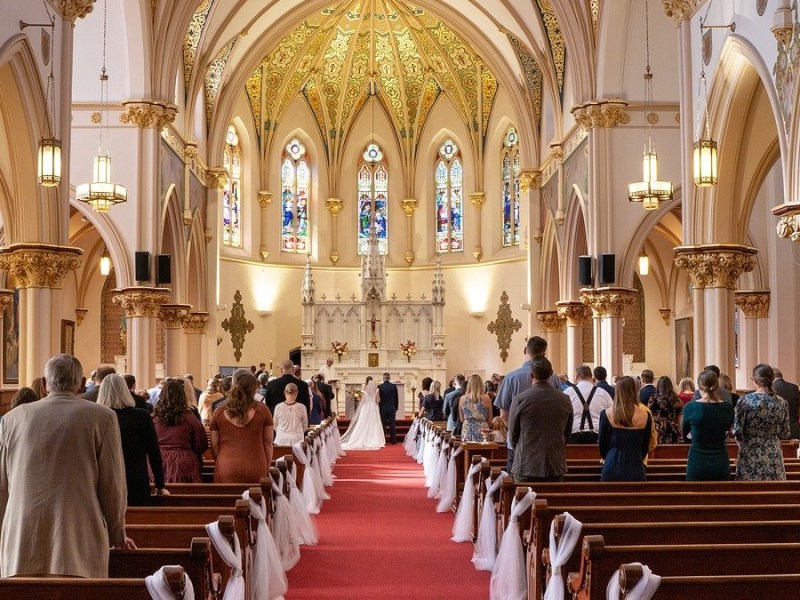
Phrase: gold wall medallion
(373, 360)
(237, 325)
(504, 326)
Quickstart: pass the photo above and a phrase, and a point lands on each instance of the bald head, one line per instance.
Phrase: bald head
(287, 367)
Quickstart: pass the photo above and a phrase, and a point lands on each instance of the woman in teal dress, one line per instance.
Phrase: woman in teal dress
(624, 435)
(709, 418)
(475, 408)
(761, 421)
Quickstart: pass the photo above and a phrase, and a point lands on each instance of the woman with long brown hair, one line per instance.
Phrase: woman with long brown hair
(181, 436)
(708, 419)
(624, 435)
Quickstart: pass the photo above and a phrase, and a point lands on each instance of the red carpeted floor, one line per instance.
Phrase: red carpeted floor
(381, 538)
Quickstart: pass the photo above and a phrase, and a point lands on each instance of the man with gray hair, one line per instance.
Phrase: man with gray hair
(62, 482)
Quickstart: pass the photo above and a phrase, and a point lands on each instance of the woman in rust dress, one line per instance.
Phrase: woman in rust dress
(241, 434)
(181, 436)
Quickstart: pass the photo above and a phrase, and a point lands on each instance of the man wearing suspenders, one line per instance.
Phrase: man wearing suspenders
(588, 401)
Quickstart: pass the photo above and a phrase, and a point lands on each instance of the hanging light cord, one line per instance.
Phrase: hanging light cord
(648, 80)
(50, 92)
(104, 85)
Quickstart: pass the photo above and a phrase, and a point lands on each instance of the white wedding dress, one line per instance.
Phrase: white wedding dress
(366, 430)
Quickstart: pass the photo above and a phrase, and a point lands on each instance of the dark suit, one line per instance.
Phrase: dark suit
(390, 402)
(648, 391)
(91, 394)
(791, 393)
(275, 392)
(604, 385)
(327, 396)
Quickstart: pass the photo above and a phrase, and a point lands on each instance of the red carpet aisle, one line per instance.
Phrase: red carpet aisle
(381, 538)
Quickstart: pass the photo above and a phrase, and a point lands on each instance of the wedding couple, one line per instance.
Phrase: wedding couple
(376, 410)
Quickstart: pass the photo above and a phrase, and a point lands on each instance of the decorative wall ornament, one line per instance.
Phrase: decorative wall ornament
(533, 74)
(213, 78)
(574, 313)
(555, 39)
(195, 322)
(237, 325)
(551, 321)
(787, 64)
(504, 326)
(172, 315)
(604, 113)
(80, 315)
(72, 10)
(146, 114)
(609, 301)
(666, 313)
(715, 265)
(264, 199)
(192, 40)
(788, 226)
(409, 205)
(217, 178)
(679, 10)
(39, 265)
(753, 303)
(529, 178)
(141, 301)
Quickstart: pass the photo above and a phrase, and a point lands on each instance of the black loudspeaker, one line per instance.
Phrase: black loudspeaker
(163, 269)
(142, 266)
(607, 268)
(585, 270)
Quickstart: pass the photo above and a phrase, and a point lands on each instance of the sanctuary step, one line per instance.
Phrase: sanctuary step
(403, 425)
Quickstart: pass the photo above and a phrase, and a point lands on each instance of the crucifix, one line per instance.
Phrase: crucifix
(373, 342)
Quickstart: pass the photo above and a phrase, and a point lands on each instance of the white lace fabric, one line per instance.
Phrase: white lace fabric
(486, 545)
(560, 551)
(509, 577)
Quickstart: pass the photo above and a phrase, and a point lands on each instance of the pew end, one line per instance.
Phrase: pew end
(176, 580)
(629, 576)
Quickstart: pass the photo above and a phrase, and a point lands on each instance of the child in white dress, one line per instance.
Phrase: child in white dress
(290, 418)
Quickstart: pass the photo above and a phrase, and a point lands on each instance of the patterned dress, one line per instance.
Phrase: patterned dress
(761, 422)
(476, 417)
(665, 411)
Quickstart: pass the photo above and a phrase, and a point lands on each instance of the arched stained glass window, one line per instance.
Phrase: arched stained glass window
(449, 174)
(231, 195)
(295, 194)
(511, 191)
(373, 195)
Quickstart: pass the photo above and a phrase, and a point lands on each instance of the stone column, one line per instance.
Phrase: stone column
(754, 305)
(575, 314)
(39, 270)
(477, 199)
(714, 270)
(6, 299)
(194, 326)
(334, 206)
(409, 206)
(607, 304)
(264, 200)
(172, 316)
(552, 325)
(142, 306)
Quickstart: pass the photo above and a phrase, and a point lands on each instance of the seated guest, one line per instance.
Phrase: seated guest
(708, 419)
(181, 436)
(686, 392)
(499, 431)
(208, 398)
(666, 407)
(37, 385)
(317, 412)
(476, 410)
(726, 384)
(761, 421)
(139, 440)
(290, 419)
(624, 438)
(433, 404)
(24, 395)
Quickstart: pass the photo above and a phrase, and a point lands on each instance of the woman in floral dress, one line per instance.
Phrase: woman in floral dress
(666, 407)
(761, 422)
(476, 409)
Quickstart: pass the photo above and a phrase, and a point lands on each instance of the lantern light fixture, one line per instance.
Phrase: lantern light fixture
(105, 263)
(644, 263)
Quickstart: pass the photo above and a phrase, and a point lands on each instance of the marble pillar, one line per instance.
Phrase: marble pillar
(608, 304)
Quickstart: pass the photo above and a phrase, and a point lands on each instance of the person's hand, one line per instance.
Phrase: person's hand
(128, 544)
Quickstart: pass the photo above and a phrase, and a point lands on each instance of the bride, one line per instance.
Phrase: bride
(366, 430)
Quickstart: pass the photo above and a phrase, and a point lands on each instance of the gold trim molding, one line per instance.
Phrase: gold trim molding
(574, 313)
(409, 205)
(146, 114)
(529, 178)
(141, 301)
(607, 301)
(195, 322)
(334, 206)
(264, 198)
(715, 265)
(172, 315)
(753, 303)
(39, 265)
(477, 199)
(551, 321)
(606, 113)
(217, 178)
(666, 313)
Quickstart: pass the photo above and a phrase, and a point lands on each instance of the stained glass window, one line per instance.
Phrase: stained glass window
(373, 193)
(511, 191)
(231, 195)
(295, 194)
(449, 176)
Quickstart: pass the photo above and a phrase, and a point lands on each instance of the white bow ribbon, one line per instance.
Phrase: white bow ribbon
(560, 551)
(307, 531)
(462, 527)
(643, 590)
(159, 589)
(448, 487)
(232, 556)
(486, 545)
(284, 528)
(269, 580)
(439, 473)
(509, 579)
(309, 492)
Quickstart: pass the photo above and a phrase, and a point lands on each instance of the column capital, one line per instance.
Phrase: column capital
(72, 10)
(39, 265)
(715, 265)
(80, 315)
(551, 320)
(6, 298)
(190, 152)
(529, 178)
(264, 198)
(607, 301)
(477, 199)
(604, 113)
(195, 322)
(141, 301)
(217, 177)
(146, 114)
(409, 205)
(679, 10)
(666, 313)
(574, 313)
(788, 225)
(172, 315)
(753, 303)
(334, 205)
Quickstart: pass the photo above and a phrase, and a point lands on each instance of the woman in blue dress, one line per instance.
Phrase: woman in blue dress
(624, 435)
(709, 418)
(475, 408)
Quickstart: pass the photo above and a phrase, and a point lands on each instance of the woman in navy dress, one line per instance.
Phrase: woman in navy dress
(624, 435)
(709, 418)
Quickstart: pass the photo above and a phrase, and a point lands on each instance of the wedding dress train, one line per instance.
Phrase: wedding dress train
(366, 429)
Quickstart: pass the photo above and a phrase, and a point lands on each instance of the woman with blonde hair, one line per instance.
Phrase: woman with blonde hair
(624, 435)
(686, 386)
(475, 409)
(433, 403)
(290, 418)
(708, 419)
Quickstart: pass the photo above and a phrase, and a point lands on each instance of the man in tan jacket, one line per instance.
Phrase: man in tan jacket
(62, 482)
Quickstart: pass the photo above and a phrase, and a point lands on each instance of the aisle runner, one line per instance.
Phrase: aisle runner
(381, 537)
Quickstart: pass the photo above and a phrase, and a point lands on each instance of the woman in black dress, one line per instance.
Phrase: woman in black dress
(433, 404)
(624, 435)
(139, 440)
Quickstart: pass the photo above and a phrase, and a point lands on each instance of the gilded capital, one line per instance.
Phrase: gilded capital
(574, 313)
(190, 152)
(679, 10)
(666, 313)
(141, 301)
(195, 322)
(409, 205)
(607, 301)
(551, 320)
(788, 227)
(715, 265)
(6, 298)
(477, 199)
(753, 303)
(217, 178)
(80, 315)
(172, 315)
(148, 113)
(72, 10)
(334, 205)
(264, 198)
(39, 265)
(557, 151)
(529, 178)
(605, 113)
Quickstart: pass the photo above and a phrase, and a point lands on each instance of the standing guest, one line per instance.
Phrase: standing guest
(225, 384)
(139, 440)
(726, 384)
(37, 385)
(290, 419)
(97, 379)
(451, 400)
(62, 482)
(317, 412)
(276, 386)
(648, 388)
(241, 434)
(433, 403)
(666, 407)
(539, 426)
(326, 391)
(476, 410)
(262, 368)
(181, 436)
(197, 391)
(791, 393)
(155, 392)
(600, 377)
(499, 431)
(687, 390)
(724, 394)
(490, 389)
(624, 435)
(24, 395)
(588, 403)
(389, 403)
(207, 399)
(426, 389)
(451, 385)
(708, 419)
(761, 422)
(563, 382)
(140, 400)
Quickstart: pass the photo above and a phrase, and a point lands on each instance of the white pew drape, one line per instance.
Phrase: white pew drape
(306, 528)
(448, 486)
(463, 523)
(486, 545)
(560, 553)
(410, 441)
(232, 557)
(309, 491)
(284, 528)
(325, 469)
(439, 472)
(269, 579)
(643, 590)
(509, 578)
(430, 457)
(159, 589)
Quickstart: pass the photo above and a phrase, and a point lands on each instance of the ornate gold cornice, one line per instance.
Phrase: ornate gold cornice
(334, 205)
(264, 198)
(753, 303)
(80, 315)
(190, 152)
(604, 113)
(551, 320)
(217, 178)
(6, 298)
(141, 301)
(195, 322)
(148, 113)
(574, 313)
(172, 315)
(477, 199)
(679, 10)
(557, 152)
(39, 265)
(409, 205)
(666, 313)
(72, 10)
(529, 178)
(607, 301)
(715, 265)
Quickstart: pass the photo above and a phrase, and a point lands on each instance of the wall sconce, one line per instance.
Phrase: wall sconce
(477, 314)
(105, 263)
(265, 313)
(644, 263)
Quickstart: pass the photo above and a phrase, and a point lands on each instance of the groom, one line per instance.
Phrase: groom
(388, 405)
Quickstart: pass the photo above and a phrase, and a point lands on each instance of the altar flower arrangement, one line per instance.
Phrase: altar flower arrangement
(357, 395)
(339, 348)
(408, 349)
